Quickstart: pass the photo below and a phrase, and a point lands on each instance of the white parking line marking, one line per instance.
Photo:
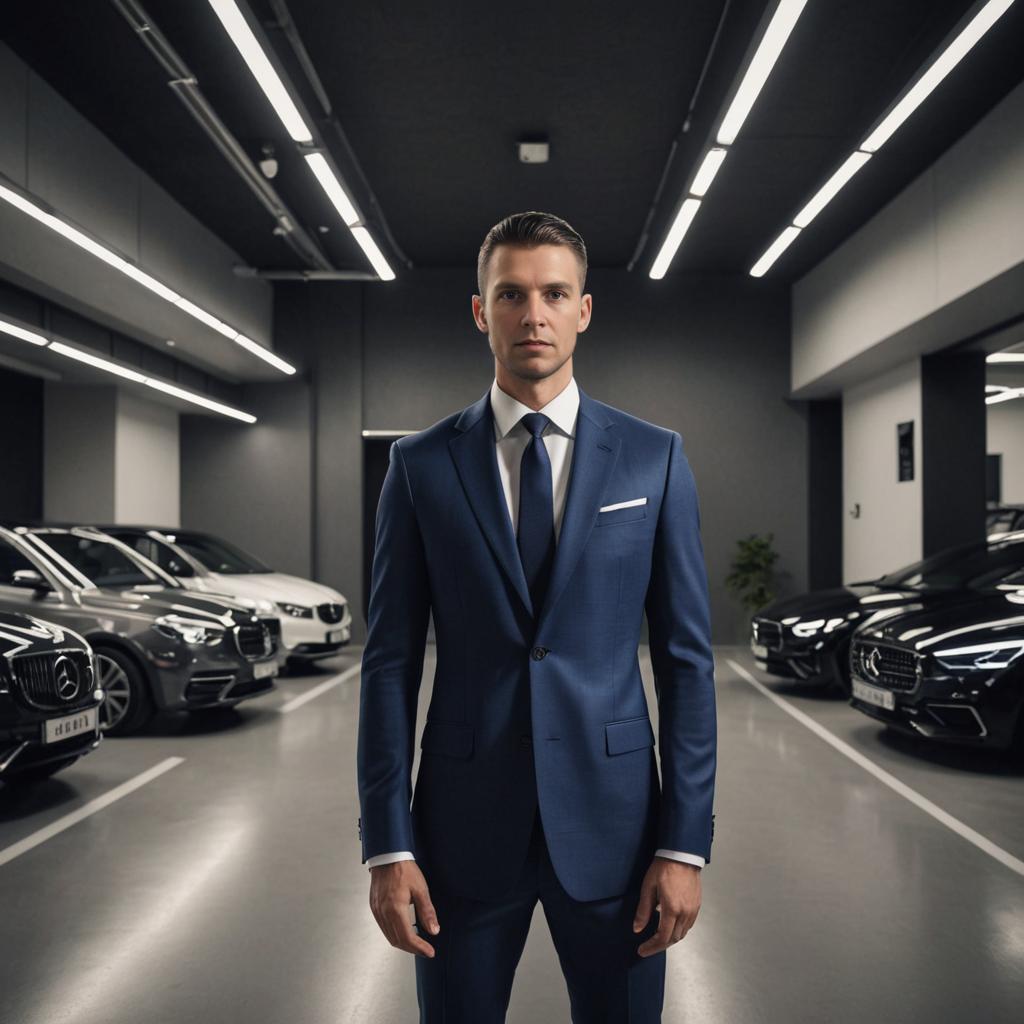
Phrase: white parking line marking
(327, 684)
(954, 824)
(58, 826)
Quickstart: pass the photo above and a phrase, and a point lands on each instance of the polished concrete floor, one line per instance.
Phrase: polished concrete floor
(227, 886)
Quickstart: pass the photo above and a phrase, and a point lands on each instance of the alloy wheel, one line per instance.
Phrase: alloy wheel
(114, 683)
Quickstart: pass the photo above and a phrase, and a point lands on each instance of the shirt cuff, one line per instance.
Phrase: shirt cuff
(686, 858)
(388, 858)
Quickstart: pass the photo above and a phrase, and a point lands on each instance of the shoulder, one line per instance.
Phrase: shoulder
(631, 428)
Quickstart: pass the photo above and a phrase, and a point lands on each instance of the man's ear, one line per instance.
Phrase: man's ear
(586, 308)
(479, 318)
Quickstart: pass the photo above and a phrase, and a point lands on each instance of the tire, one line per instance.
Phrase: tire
(128, 705)
(40, 773)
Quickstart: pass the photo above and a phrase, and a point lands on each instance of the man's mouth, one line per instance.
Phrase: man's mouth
(533, 343)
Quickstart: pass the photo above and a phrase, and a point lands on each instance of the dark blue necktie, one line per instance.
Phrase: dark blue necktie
(536, 532)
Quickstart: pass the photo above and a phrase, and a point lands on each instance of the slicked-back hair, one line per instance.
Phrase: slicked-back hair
(529, 230)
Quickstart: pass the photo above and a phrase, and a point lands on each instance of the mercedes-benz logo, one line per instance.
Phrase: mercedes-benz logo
(68, 678)
(872, 663)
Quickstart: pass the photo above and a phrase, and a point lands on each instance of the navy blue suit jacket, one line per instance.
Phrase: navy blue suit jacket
(538, 704)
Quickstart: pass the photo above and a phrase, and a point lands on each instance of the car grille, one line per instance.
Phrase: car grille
(768, 633)
(42, 683)
(253, 640)
(895, 668)
(331, 613)
(207, 686)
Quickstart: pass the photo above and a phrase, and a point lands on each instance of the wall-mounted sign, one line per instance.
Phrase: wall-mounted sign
(905, 448)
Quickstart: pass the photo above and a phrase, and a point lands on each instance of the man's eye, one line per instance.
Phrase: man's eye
(509, 292)
(557, 292)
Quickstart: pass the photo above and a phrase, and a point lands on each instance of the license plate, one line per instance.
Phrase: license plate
(335, 636)
(264, 669)
(874, 695)
(57, 729)
(760, 651)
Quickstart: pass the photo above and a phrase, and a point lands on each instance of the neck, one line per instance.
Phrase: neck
(534, 393)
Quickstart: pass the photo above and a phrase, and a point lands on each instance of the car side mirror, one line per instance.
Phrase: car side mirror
(31, 579)
(176, 568)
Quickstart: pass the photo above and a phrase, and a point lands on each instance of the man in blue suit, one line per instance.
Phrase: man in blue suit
(537, 525)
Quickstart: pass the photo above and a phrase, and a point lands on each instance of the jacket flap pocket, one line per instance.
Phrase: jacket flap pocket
(452, 738)
(629, 734)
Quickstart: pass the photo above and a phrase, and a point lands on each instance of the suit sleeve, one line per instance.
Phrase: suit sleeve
(392, 668)
(679, 625)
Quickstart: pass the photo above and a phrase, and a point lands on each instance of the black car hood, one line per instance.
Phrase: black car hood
(863, 598)
(21, 634)
(975, 618)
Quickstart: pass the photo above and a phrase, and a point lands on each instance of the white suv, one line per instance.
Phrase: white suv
(315, 620)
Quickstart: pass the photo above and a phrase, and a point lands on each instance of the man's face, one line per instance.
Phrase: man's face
(532, 295)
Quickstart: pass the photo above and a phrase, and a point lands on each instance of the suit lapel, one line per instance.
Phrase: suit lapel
(595, 452)
(476, 460)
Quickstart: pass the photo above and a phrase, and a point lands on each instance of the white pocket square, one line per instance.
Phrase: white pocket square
(623, 504)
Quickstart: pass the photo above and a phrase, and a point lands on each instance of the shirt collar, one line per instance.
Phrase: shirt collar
(561, 410)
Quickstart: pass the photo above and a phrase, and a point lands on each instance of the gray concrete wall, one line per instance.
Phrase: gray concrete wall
(146, 463)
(79, 430)
(888, 531)
(955, 231)
(1005, 422)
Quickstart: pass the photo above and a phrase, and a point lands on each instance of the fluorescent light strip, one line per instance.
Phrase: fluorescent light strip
(684, 218)
(1005, 357)
(373, 254)
(708, 169)
(101, 252)
(22, 335)
(99, 363)
(1005, 396)
(944, 64)
(264, 353)
(760, 67)
(777, 248)
(334, 189)
(262, 70)
(853, 163)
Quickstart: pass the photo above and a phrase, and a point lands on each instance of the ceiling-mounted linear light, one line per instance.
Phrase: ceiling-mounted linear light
(760, 67)
(944, 64)
(1005, 357)
(112, 259)
(775, 250)
(853, 163)
(1005, 396)
(780, 26)
(126, 373)
(684, 218)
(22, 335)
(277, 92)
(262, 70)
(899, 111)
(708, 169)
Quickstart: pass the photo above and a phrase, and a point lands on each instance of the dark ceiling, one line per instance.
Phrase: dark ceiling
(433, 97)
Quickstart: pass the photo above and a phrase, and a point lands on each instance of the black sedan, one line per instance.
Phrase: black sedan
(953, 674)
(808, 637)
(49, 699)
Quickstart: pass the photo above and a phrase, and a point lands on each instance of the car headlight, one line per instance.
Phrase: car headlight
(812, 627)
(185, 629)
(996, 654)
(296, 611)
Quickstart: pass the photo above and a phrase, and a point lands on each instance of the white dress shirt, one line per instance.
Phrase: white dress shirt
(511, 438)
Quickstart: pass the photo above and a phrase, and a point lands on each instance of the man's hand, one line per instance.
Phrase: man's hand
(392, 888)
(675, 888)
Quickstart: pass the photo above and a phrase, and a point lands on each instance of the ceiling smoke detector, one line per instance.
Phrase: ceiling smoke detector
(533, 152)
(268, 165)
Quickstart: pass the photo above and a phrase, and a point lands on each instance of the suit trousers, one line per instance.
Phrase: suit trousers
(469, 978)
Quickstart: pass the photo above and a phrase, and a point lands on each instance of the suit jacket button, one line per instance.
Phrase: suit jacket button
(538, 652)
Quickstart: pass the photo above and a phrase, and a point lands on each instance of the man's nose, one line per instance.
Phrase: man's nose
(534, 312)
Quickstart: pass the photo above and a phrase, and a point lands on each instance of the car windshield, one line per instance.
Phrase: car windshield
(217, 555)
(971, 565)
(100, 560)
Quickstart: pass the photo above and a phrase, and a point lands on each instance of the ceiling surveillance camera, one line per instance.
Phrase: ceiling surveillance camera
(268, 165)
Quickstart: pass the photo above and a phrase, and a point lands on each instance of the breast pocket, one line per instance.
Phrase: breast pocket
(621, 515)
